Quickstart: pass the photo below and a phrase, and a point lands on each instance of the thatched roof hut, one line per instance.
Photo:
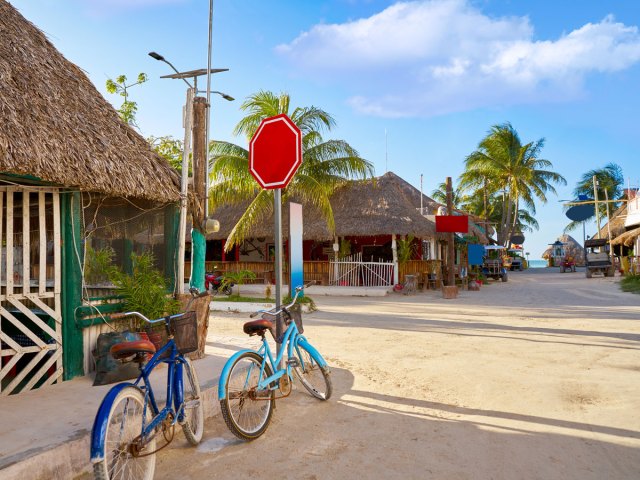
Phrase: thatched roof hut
(616, 223)
(572, 248)
(381, 206)
(57, 127)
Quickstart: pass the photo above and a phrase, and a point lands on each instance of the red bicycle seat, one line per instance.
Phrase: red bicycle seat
(126, 349)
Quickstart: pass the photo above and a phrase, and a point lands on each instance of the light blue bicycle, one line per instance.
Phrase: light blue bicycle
(248, 385)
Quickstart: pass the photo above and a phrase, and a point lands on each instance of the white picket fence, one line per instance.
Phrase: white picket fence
(353, 272)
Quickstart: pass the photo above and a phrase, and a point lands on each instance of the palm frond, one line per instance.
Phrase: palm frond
(259, 209)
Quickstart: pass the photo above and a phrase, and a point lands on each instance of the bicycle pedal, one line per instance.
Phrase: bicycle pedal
(293, 362)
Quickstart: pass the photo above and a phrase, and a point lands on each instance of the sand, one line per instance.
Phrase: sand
(536, 378)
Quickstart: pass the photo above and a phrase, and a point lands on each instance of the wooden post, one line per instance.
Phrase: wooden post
(394, 251)
(451, 252)
(198, 240)
(450, 290)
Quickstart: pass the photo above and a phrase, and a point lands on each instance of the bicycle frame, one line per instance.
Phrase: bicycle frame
(174, 403)
(288, 339)
(291, 339)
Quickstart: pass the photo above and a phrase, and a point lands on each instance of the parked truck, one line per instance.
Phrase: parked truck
(597, 258)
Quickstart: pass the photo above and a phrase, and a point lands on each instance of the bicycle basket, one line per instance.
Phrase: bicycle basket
(295, 312)
(185, 332)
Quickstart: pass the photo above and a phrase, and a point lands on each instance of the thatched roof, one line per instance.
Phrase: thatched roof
(616, 223)
(627, 238)
(361, 208)
(57, 127)
(572, 248)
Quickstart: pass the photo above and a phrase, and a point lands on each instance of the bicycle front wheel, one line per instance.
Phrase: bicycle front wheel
(312, 376)
(246, 410)
(125, 455)
(193, 424)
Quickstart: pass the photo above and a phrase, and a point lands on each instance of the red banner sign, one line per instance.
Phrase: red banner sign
(452, 223)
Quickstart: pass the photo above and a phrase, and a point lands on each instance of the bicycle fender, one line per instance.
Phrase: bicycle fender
(224, 375)
(99, 429)
(312, 351)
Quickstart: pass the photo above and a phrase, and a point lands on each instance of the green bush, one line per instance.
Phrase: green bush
(97, 264)
(406, 249)
(145, 290)
(237, 278)
(630, 283)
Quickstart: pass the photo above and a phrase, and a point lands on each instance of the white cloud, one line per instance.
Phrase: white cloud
(432, 57)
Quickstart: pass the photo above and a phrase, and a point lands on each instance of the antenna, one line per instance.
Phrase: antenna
(386, 152)
(421, 210)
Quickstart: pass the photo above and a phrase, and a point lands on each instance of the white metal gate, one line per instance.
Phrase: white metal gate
(30, 310)
(353, 272)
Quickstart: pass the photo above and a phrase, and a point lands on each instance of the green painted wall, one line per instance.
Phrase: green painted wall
(71, 296)
(198, 251)
(171, 226)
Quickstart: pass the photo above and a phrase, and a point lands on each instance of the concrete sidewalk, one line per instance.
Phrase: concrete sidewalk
(45, 433)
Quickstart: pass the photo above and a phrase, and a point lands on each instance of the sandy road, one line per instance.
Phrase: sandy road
(537, 378)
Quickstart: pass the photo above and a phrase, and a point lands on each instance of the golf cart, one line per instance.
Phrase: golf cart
(493, 264)
(597, 259)
(516, 262)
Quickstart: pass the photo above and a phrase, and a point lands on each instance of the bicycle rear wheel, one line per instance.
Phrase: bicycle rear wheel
(312, 376)
(246, 410)
(122, 450)
(193, 424)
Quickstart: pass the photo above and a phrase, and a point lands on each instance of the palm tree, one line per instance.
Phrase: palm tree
(610, 180)
(440, 195)
(503, 165)
(326, 164)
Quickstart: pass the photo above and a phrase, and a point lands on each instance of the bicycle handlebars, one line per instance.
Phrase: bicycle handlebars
(299, 288)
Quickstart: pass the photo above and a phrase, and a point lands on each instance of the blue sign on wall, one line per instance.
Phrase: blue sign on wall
(476, 252)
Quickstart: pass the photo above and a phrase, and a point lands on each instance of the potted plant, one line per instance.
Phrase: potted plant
(237, 278)
(145, 291)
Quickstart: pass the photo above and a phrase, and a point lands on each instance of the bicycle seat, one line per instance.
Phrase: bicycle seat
(126, 349)
(258, 327)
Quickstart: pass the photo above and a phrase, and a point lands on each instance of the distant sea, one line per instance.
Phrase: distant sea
(537, 263)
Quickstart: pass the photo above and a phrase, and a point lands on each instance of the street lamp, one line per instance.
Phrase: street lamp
(227, 97)
(192, 91)
(183, 76)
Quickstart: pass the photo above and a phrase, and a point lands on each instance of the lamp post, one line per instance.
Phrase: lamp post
(198, 240)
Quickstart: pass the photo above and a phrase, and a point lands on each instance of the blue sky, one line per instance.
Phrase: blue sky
(434, 74)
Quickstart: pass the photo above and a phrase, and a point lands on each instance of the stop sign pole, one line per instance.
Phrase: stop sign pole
(275, 153)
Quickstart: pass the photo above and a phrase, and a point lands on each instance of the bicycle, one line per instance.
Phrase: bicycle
(247, 385)
(123, 437)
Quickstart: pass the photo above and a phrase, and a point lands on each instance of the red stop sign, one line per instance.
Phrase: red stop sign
(275, 152)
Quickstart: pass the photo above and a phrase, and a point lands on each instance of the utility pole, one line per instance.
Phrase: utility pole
(595, 198)
(421, 210)
(606, 197)
(451, 252)
(188, 122)
(198, 239)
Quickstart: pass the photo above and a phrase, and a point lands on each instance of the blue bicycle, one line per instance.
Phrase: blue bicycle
(129, 420)
(248, 385)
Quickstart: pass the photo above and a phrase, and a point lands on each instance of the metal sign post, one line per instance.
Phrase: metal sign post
(275, 153)
(277, 207)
